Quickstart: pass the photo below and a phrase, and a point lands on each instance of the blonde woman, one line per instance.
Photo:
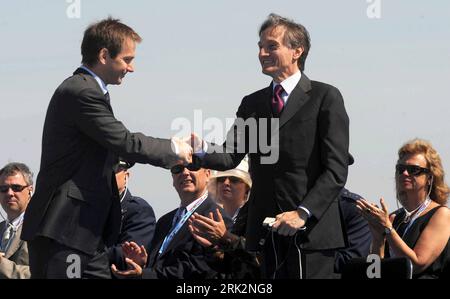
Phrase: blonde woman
(419, 230)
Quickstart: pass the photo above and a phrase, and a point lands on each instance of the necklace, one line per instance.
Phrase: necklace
(422, 207)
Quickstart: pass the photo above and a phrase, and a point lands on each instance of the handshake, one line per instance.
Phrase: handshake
(184, 148)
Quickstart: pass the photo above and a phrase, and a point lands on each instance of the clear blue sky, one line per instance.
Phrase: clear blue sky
(393, 72)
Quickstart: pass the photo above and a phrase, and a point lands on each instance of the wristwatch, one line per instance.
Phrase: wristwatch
(387, 230)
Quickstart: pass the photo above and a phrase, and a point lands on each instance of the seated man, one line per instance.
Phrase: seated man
(138, 218)
(357, 231)
(16, 185)
(174, 251)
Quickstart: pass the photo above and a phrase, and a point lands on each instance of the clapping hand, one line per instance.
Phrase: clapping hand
(378, 218)
(208, 231)
(136, 258)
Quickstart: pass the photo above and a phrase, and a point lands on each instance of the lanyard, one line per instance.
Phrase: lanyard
(180, 223)
(422, 208)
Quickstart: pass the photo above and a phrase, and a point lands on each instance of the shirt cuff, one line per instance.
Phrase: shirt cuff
(202, 152)
(175, 148)
(306, 211)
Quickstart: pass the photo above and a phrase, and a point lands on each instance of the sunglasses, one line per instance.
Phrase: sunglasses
(413, 170)
(232, 179)
(180, 168)
(14, 187)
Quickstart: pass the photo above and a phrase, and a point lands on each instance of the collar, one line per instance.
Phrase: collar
(290, 83)
(233, 219)
(194, 203)
(17, 221)
(100, 82)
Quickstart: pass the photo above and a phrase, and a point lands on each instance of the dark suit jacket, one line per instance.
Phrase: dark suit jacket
(76, 201)
(357, 231)
(138, 225)
(184, 257)
(312, 165)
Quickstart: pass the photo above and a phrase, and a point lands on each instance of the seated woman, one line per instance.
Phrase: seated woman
(420, 230)
(231, 190)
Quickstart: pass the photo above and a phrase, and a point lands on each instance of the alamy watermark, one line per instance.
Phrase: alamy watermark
(73, 11)
(374, 9)
(374, 269)
(74, 267)
(251, 135)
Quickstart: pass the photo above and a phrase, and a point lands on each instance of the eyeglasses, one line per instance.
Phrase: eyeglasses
(180, 168)
(232, 179)
(14, 187)
(413, 170)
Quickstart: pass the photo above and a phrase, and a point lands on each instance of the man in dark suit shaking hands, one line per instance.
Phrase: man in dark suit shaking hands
(301, 188)
(75, 212)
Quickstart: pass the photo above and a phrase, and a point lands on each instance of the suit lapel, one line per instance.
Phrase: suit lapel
(16, 242)
(265, 110)
(296, 100)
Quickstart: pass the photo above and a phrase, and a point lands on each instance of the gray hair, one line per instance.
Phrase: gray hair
(295, 36)
(13, 168)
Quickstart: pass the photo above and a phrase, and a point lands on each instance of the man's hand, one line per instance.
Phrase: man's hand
(208, 231)
(182, 150)
(288, 223)
(134, 272)
(135, 253)
(195, 142)
(135, 257)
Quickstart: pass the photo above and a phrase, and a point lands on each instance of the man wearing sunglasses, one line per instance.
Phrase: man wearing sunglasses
(175, 253)
(16, 186)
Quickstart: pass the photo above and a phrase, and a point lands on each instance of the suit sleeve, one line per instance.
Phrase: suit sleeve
(93, 117)
(11, 270)
(138, 226)
(358, 235)
(333, 130)
(233, 150)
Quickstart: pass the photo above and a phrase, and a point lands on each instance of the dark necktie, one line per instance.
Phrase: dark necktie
(178, 216)
(108, 99)
(277, 100)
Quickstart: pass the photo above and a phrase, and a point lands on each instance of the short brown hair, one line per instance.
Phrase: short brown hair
(110, 34)
(439, 189)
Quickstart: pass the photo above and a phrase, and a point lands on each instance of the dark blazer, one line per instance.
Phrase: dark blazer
(184, 257)
(76, 201)
(138, 225)
(357, 231)
(311, 168)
